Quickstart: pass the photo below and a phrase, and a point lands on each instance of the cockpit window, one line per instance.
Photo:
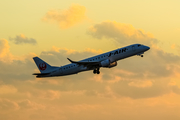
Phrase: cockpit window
(139, 45)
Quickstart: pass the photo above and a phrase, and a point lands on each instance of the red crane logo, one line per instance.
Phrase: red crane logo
(42, 66)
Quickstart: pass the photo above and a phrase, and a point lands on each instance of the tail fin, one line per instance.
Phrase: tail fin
(43, 66)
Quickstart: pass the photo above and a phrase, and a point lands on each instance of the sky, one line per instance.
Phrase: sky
(137, 89)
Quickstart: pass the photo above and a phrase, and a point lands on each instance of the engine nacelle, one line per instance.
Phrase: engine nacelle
(112, 64)
(107, 63)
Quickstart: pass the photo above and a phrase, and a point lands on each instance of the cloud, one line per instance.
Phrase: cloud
(66, 18)
(134, 85)
(54, 101)
(83, 107)
(7, 89)
(27, 104)
(5, 54)
(48, 94)
(4, 47)
(121, 33)
(22, 39)
(141, 84)
(164, 61)
(9, 65)
(134, 78)
(8, 105)
(60, 55)
(51, 94)
(173, 46)
(128, 79)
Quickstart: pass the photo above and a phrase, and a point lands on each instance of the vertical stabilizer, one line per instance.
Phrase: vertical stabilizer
(43, 66)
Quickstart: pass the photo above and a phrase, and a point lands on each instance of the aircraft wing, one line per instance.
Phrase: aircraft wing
(85, 63)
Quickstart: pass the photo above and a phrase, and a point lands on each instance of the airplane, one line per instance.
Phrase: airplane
(106, 60)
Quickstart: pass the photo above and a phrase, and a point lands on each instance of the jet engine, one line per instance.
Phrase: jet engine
(112, 64)
(107, 63)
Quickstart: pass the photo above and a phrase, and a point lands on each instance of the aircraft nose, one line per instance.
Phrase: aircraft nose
(147, 48)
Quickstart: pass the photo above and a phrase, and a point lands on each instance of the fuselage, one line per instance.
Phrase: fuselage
(112, 56)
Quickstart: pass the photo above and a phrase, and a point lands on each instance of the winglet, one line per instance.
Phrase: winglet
(70, 60)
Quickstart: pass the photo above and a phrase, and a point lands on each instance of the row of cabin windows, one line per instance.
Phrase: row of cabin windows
(69, 67)
(97, 58)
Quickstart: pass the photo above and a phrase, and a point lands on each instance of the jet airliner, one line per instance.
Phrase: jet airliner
(106, 60)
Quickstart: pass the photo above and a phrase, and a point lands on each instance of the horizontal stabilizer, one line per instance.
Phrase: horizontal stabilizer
(40, 73)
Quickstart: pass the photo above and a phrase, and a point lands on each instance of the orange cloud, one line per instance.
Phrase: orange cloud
(51, 94)
(5, 54)
(141, 84)
(27, 104)
(66, 18)
(122, 33)
(83, 107)
(134, 85)
(8, 106)
(173, 46)
(7, 89)
(7, 57)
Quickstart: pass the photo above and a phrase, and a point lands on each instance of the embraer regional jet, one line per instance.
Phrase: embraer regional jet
(107, 60)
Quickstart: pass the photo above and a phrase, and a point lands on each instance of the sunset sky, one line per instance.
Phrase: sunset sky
(138, 88)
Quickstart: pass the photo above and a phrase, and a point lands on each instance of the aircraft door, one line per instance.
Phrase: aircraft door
(60, 71)
(133, 48)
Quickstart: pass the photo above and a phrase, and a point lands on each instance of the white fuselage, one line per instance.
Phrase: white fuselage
(113, 56)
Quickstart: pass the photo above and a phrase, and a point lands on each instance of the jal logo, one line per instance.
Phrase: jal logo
(42, 66)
